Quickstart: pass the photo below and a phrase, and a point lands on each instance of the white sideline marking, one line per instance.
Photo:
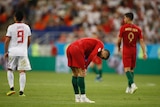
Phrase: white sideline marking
(151, 84)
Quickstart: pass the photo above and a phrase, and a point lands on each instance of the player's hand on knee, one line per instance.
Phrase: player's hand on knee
(83, 73)
(145, 56)
(6, 55)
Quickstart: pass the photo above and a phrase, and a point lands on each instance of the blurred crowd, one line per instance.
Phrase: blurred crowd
(83, 18)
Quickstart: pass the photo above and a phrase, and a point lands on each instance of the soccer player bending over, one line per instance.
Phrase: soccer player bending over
(130, 34)
(80, 53)
(16, 52)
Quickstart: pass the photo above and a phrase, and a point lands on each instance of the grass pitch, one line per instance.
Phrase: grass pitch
(50, 89)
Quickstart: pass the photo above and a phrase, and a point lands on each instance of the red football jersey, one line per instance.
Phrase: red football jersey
(86, 50)
(130, 34)
(97, 60)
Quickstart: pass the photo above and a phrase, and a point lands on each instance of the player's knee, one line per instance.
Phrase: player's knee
(82, 74)
(21, 71)
(74, 74)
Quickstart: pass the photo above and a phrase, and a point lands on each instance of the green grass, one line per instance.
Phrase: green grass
(49, 89)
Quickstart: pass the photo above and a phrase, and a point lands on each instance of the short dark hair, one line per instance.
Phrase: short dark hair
(104, 57)
(108, 54)
(129, 15)
(19, 15)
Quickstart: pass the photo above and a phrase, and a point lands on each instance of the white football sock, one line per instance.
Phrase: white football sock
(77, 96)
(83, 96)
(10, 77)
(22, 80)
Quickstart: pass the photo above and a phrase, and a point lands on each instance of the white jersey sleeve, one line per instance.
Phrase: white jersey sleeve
(8, 31)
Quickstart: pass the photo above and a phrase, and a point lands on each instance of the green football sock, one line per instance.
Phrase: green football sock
(93, 69)
(130, 78)
(132, 73)
(100, 73)
(75, 85)
(81, 84)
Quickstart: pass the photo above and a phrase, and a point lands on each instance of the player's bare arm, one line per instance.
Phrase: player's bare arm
(119, 44)
(29, 40)
(143, 46)
(7, 40)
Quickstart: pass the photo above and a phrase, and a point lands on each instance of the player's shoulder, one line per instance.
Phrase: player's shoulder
(130, 25)
(138, 27)
(11, 26)
(123, 26)
(24, 24)
(17, 24)
(27, 26)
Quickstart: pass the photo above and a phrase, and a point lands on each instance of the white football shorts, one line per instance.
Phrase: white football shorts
(18, 63)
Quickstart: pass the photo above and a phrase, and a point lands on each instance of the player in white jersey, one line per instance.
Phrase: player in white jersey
(17, 41)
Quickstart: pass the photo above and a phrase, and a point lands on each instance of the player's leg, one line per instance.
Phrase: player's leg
(23, 65)
(22, 82)
(75, 84)
(98, 62)
(92, 67)
(99, 72)
(133, 64)
(12, 62)
(132, 73)
(127, 61)
(76, 62)
(10, 77)
(78, 83)
(81, 84)
(133, 85)
(81, 80)
(129, 77)
(72, 61)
